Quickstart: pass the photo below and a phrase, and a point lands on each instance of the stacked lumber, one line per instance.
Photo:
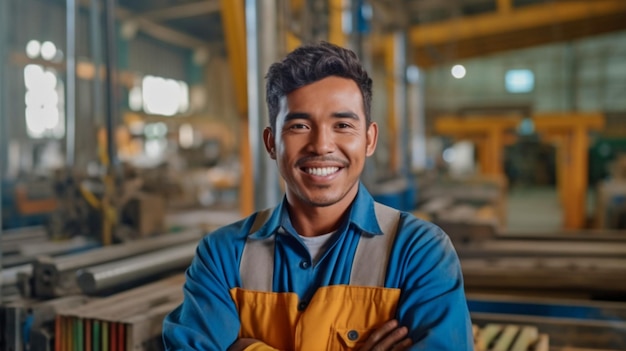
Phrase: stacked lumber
(130, 320)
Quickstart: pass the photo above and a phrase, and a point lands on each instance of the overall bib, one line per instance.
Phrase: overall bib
(338, 317)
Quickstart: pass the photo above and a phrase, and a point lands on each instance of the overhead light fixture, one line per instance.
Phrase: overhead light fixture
(458, 71)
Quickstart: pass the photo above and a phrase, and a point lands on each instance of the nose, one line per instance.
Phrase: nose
(321, 141)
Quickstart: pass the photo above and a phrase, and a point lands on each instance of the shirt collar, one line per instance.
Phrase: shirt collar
(361, 215)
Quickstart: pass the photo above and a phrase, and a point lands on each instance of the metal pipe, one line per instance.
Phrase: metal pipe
(70, 84)
(46, 247)
(118, 251)
(56, 276)
(10, 275)
(23, 234)
(98, 278)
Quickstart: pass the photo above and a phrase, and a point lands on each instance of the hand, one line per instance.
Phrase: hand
(388, 337)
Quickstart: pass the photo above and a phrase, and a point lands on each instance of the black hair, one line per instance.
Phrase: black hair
(309, 64)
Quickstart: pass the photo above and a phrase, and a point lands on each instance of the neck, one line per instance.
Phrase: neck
(310, 220)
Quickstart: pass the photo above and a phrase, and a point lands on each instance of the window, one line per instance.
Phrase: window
(44, 103)
(44, 98)
(518, 81)
(160, 96)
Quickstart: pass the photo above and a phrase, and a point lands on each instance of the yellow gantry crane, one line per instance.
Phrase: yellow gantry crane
(569, 132)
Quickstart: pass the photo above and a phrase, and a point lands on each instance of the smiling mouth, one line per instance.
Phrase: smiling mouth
(321, 171)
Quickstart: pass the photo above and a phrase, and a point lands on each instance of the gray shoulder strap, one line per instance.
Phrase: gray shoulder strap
(369, 266)
(257, 259)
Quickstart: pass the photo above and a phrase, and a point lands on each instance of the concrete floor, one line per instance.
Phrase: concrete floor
(533, 209)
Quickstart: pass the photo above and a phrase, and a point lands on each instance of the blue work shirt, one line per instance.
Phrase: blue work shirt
(422, 264)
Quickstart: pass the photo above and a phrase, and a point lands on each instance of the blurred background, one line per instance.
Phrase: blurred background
(131, 128)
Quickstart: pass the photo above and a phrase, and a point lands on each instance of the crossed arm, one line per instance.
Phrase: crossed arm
(432, 312)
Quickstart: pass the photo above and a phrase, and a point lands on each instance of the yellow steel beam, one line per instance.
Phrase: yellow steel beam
(233, 20)
(565, 122)
(455, 125)
(505, 6)
(292, 41)
(489, 133)
(512, 28)
(522, 18)
(335, 23)
(569, 132)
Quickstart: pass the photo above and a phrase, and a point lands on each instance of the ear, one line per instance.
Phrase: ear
(270, 142)
(372, 139)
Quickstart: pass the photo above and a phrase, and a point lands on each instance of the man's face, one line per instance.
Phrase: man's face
(321, 142)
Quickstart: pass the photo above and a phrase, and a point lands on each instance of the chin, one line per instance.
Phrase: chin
(322, 201)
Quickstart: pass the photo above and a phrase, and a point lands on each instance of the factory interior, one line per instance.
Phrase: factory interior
(501, 121)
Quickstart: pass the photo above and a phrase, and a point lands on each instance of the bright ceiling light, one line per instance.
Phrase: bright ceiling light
(33, 48)
(458, 71)
(48, 50)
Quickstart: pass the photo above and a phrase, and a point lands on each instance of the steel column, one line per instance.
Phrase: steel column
(96, 57)
(110, 81)
(400, 100)
(417, 116)
(4, 43)
(233, 21)
(261, 37)
(70, 84)
(570, 132)
(395, 64)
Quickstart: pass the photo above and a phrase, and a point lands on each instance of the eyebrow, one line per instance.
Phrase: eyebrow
(297, 115)
(346, 114)
(303, 115)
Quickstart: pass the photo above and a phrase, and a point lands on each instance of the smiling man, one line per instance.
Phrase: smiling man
(328, 268)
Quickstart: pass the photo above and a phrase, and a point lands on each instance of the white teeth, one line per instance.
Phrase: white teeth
(322, 172)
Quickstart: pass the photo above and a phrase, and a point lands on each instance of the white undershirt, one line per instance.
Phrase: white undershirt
(316, 244)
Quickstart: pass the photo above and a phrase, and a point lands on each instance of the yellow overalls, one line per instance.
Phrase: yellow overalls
(338, 317)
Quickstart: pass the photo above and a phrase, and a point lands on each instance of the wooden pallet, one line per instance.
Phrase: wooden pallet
(509, 337)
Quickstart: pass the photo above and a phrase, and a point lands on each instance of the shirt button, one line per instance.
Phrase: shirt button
(302, 305)
(353, 335)
(305, 264)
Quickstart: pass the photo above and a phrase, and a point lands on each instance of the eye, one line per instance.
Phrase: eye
(298, 126)
(343, 125)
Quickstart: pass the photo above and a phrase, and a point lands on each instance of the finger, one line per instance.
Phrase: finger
(403, 345)
(380, 333)
(396, 336)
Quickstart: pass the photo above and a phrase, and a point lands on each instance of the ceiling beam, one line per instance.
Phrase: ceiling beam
(156, 30)
(531, 16)
(193, 9)
(514, 28)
